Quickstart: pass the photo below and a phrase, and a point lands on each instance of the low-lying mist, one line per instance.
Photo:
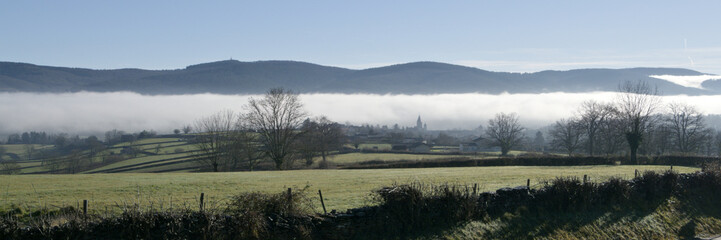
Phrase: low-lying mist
(88, 113)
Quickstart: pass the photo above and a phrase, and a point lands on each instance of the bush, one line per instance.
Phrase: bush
(414, 208)
(567, 193)
(258, 213)
(652, 185)
(614, 191)
(326, 165)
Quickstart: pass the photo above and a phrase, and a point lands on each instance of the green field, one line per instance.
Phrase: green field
(342, 189)
(172, 155)
(166, 157)
(350, 158)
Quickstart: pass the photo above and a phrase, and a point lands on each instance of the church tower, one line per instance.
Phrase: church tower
(419, 123)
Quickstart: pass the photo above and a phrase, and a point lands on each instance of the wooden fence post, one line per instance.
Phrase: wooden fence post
(528, 183)
(85, 208)
(202, 196)
(475, 187)
(635, 173)
(322, 202)
(585, 178)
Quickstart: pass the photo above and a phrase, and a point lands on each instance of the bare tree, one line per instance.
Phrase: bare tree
(212, 138)
(94, 146)
(539, 142)
(187, 129)
(75, 161)
(505, 131)
(29, 150)
(637, 104)
(659, 140)
(113, 136)
(276, 117)
(244, 147)
(320, 136)
(566, 134)
(592, 115)
(8, 166)
(687, 126)
(307, 142)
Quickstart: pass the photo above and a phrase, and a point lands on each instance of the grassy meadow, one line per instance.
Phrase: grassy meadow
(342, 189)
(350, 158)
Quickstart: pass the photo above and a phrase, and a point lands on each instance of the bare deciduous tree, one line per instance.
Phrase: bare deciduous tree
(29, 150)
(244, 147)
(566, 134)
(7, 166)
(307, 142)
(505, 131)
(213, 135)
(637, 104)
(187, 129)
(659, 140)
(320, 136)
(592, 115)
(276, 117)
(687, 126)
(75, 161)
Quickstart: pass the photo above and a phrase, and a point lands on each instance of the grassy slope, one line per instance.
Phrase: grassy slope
(672, 218)
(168, 147)
(342, 189)
(349, 158)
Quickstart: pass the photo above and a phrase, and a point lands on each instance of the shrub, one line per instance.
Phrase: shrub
(567, 193)
(256, 213)
(652, 185)
(326, 165)
(614, 191)
(413, 208)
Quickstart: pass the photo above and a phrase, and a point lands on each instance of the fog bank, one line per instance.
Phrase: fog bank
(92, 113)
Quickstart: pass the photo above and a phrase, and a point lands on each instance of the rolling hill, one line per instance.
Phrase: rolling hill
(235, 77)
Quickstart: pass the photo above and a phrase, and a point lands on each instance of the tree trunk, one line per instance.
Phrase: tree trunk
(634, 141)
(504, 151)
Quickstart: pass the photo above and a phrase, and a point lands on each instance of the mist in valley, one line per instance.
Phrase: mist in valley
(91, 113)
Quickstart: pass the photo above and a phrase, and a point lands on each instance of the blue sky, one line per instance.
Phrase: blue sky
(518, 36)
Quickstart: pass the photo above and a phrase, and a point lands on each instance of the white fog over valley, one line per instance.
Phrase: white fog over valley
(87, 113)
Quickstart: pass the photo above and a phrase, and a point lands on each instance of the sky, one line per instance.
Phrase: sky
(515, 36)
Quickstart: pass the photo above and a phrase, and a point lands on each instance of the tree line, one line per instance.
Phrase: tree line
(274, 127)
(635, 122)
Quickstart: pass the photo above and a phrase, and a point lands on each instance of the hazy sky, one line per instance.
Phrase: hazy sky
(517, 36)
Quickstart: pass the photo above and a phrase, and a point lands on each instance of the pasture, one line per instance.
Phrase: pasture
(350, 158)
(342, 189)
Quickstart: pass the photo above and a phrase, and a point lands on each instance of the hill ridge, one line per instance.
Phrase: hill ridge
(253, 77)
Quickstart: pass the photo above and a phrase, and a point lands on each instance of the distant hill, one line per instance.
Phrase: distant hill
(235, 77)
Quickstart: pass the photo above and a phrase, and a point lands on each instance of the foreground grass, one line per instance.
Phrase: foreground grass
(678, 217)
(342, 189)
